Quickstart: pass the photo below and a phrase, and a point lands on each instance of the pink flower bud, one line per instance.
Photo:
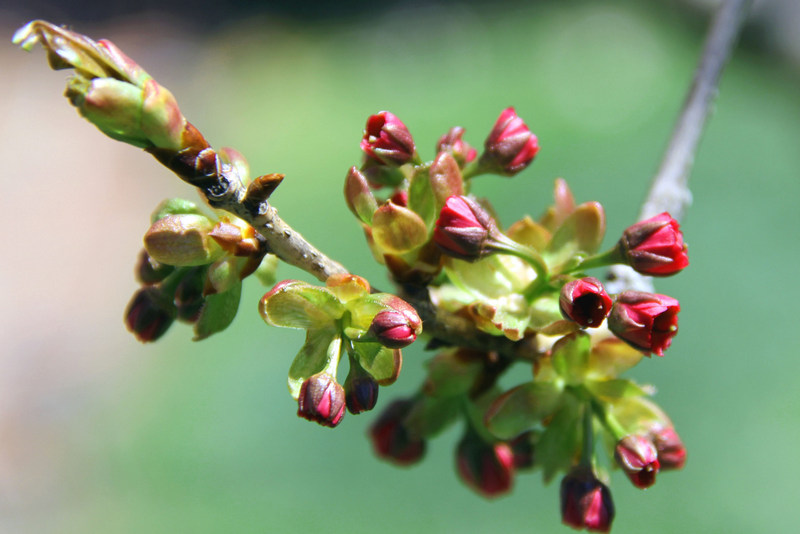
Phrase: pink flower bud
(391, 439)
(387, 140)
(510, 146)
(487, 468)
(453, 143)
(149, 314)
(638, 457)
(392, 329)
(646, 321)
(655, 246)
(585, 501)
(463, 229)
(321, 400)
(585, 301)
(671, 452)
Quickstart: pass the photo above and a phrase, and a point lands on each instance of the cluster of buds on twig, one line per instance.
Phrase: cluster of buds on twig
(191, 269)
(526, 285)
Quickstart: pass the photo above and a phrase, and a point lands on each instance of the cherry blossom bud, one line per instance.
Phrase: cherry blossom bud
(646, 321)
(321, 400)
(463, 229)
(585, 301)
(360, 390)
(655, 246)
(393, 329)
(487, 468)
(149, 314)
(638, 457)
(671, 452)
(453, 143)
(510, 146)
(387, 140)
(585, 501)
(188, 296)
(391, 439)
(524, 449)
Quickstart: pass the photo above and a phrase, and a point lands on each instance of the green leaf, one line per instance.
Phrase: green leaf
(397, 229)
(520, 408)
(182, 240)
(611, 357)
(382, 363)
(571, 357)
(294, 304)
(610, 390)
(580, 234)
(445, 180)
(218, 312)
(320, 349)
(559, 446)
(430, 415)
(420, 197)
(175, 206)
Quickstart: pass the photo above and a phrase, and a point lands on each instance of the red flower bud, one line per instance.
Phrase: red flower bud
(387, 140)
(392, 330)
(463, 229)
(646, 321)
(585, 501)
(360, 390)
(510, 146)
(149, 314)
(321, 400)
(487, 468)
(189, 298)
(453, 143)
(655, 246)
(585, 301)
(638, 457)
(524, 449)
(671, 452)
(391, 439)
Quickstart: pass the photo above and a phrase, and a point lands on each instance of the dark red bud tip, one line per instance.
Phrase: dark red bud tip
(655, 246)
(487, 468)
(149, 314)
(638, 457)
(391, 440)
(585, 301)
(585, 501)
(149, 271)
(392, 329)
(510, 146)
(463, 229)
(387, 140)
(361, 392)
(321, 400)
(671, 452)
(646, 321)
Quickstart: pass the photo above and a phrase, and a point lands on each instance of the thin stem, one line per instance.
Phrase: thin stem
(587, 449)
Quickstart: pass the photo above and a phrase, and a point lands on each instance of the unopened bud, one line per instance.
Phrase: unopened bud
(463, 229)
(671, 451)
(585, 501)
(393, 329)
(487, 468)
(646, 321)
(360, 389)
(453, 143)
(148, 271)
(188, 296)
(510, 146)
(655, 246)
(391, 439)
(149, 314)
(321, 400)
(638, 457)
(387, 140)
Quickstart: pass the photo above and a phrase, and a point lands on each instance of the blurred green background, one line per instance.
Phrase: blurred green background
(101, 434)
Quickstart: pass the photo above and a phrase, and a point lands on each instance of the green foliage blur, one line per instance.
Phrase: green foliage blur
(205, 437)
